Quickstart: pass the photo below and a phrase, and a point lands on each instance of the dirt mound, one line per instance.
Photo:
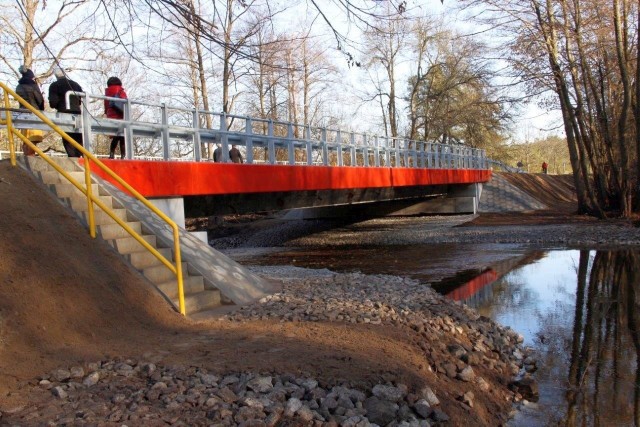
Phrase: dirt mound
(63, 296)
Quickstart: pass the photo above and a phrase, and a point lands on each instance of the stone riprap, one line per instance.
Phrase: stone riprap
(458, 345)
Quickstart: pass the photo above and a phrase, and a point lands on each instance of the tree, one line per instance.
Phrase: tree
(31, 34)
(585, 52)
(451, 96)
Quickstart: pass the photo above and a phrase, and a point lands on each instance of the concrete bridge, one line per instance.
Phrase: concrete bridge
(326, 172)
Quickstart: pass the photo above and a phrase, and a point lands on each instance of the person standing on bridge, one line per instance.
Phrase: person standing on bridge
(57, 99)
(29, 90)
(217, 153)
(115, 110)
(235, 155)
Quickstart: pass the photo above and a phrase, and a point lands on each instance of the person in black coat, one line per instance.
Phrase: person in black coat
(29, 90)
(57, 100)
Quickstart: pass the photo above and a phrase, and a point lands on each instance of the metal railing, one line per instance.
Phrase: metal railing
(92, 199)
(177, 133)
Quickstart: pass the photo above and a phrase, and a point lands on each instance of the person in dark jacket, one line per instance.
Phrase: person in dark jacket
(57, 99)
(29, 90)
(115, 110)
(217, 153)
(235, 155)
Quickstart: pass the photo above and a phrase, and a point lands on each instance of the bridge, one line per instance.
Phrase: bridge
(137, 205)
(287, 165)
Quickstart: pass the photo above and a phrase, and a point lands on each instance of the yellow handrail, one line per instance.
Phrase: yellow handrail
(177, 269)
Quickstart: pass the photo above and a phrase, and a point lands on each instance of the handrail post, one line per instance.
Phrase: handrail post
(165, 131)
(128, 130)
(352, 142)
(387, 152)
(339, 146)
(325, 148)
(86, 124)
(248, 129)
(90, 212)
(290, 146)
(307, 137)
(178, 256)
(197, 144)
(365, 151)
(270, 145)
(376, 151)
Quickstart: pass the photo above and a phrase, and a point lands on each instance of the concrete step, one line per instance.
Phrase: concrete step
(102, 217)
(200, 301)
(54, 177)
(115, 231)
(160, 273)
(66, 189)
(192, 285)
(127, 245)
(79, 202)
(142, 260)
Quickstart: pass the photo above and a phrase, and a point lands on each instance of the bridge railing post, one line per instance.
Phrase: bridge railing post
(388, 156)
(422, 148)
(307, 138)
(290, 145)
(352, 149)
(325, 148)
(248, 130)
(197, 146)
(165, 131)
(224, 138)
(128, 130)
(365, 151)
(376, 151)
(339, 149)
(86, 124)
(270, 144)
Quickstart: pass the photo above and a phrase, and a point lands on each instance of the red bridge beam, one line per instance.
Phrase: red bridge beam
(167, 179)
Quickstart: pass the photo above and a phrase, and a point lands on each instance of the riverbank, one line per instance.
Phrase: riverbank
(85, 340)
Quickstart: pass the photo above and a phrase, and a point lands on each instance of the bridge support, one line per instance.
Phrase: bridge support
(459, 199)
(173, 207)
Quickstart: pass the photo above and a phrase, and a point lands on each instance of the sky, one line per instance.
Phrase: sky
(354, 79)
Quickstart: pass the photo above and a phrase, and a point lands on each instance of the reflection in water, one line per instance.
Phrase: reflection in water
(603, 372)
(580, 311)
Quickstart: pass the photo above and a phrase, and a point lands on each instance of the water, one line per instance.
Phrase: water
(579, 310)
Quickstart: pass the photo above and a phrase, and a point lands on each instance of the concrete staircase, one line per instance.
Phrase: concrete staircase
(197, 298)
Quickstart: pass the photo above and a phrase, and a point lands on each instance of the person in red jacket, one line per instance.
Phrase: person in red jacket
(115, 110)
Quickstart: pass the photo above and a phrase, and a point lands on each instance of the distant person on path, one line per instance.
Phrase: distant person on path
(544, 167)
(520, 164)
(115, 110)
(29, 90)
(57, 100)
(235, 155)
(217, 153)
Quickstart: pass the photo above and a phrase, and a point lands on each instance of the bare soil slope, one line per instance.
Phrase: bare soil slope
(66, 299)
(556, 191)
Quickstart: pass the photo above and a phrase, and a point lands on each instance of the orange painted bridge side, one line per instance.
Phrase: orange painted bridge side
(166, 179)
